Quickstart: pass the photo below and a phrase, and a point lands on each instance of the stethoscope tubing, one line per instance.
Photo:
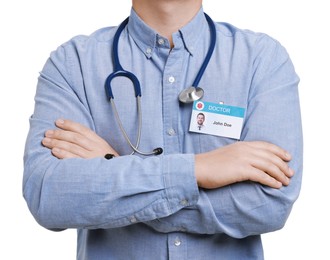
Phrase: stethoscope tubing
(135, 147)
(209, 52)
(122, 129)
(195, 93)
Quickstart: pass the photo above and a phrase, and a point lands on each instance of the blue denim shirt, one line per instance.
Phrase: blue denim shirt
(135, 207)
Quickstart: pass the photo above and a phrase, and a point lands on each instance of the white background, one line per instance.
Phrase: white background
(31, 29)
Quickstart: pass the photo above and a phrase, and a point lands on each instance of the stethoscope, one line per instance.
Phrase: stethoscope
(188, 95)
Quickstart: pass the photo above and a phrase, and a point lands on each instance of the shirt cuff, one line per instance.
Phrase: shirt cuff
(180, 181)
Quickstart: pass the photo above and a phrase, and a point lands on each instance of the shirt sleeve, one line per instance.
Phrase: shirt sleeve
(273, 115)
(95, 193)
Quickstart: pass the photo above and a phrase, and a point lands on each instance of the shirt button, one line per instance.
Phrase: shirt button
(149, 51)
(184, 202)
(171, 79)
(177, 242)
(133, 219)
(171, 132)
(161, 41)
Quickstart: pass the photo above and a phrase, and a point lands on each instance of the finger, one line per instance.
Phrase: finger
(63, 154)
(85, 137)
(266, 158)
(47, 142)
(67, 147)
(91, 138)
(281, 164)
(261, 177)
(56, 151)
(271, 163)
(76, 127)
(70, 137)
(272, 170)
(273, 154)
(280, 152)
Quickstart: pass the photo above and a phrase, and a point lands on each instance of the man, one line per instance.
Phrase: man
(200, 121)
(205, 197)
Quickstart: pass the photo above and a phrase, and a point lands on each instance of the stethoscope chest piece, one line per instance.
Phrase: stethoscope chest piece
(191, 94)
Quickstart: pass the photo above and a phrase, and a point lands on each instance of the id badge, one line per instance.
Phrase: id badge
(217, 119)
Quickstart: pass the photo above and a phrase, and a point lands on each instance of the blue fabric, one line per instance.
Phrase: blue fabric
(134, 207)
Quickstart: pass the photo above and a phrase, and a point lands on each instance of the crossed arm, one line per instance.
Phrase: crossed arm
(256, 161)
(56, 189)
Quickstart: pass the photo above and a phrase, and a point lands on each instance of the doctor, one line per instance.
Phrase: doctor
(200, 121)
(205, 196)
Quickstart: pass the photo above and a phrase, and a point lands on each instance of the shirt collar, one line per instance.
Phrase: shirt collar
(193, 31)
(146, 38)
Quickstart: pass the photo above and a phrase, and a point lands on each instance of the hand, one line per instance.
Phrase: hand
(242, 161)
(73, 140)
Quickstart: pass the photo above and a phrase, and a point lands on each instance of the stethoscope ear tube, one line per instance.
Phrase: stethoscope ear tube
(209, 52)
(116, 62)
(194, 92)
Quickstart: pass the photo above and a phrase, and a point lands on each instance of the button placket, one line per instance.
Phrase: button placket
(171, 76)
